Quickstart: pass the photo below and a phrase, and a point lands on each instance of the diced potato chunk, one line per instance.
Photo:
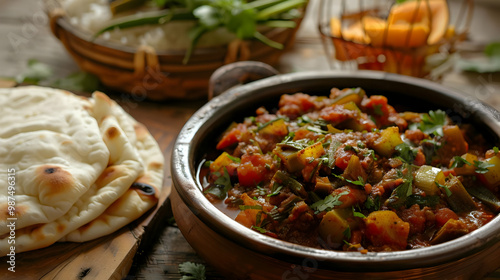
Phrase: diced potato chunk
(386, 228)
(314, 151)
(222, 161)
(389, 138)
(492, 177)
(426, 179)
(332, 227)
(467, 169)
(277, 127)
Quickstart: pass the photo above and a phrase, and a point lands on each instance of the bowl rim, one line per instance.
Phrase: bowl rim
(189, 189)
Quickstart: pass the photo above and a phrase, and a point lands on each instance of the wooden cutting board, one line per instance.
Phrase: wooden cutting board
(109, 257)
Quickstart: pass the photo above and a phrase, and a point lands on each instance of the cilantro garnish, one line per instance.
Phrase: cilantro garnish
(221, 186)
(357, 214)
(192, 271)
(371, 153)
(347, 233)
(406, 153)
(459, 162)
(329, 202)
(373, 204)
(359, 182)
(403, 191)
(445, 188)
(495, 150)
(275, 190)
(482, 167)
(433, 122)
(259, 229)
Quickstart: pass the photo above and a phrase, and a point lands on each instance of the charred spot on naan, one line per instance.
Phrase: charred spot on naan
(112, 133)
(52, 180)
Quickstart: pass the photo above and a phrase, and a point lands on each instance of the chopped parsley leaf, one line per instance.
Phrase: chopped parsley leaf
(482, 167)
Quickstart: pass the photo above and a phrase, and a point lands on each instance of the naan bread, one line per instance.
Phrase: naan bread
(122, 192)
(49, 137)
(138, 199)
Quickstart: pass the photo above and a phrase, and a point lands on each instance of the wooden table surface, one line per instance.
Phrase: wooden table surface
(25, 35)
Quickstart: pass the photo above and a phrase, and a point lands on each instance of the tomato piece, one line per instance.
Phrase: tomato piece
(443, 215)
(232, 137)
(253, 169)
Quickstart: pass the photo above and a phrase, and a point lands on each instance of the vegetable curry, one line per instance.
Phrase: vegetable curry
(348, 172)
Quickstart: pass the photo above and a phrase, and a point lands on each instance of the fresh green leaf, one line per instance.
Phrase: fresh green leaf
(495, 150)
(459, 162)
(482, 166)
(406, 153)
(432, 123)
(492, 49)
(445, 188)
(221, 185)
(329, 202)
(373, 204)
(36, 72)
(347, 233)
(78, 82)
(402, 192)
(192, 271)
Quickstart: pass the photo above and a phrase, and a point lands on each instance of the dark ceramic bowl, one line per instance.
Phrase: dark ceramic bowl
(241, 253)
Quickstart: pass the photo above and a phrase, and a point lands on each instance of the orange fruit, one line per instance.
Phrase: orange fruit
(433, 13)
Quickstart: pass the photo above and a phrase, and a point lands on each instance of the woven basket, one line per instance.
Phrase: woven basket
(146, 73)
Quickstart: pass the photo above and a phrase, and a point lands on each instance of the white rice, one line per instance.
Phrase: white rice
(92, 15)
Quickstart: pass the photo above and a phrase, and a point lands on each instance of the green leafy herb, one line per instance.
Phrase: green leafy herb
(482, 167)
(359, 182)
(406, 153)
(236, 16)
(371, 153)
(36, 72)
(429, 148)
(275, 190)
(373, 204)
(259, 229)
(329, 202)
(433, 122)
(221, 186)
(403, 191)
(192, 271)
(357, 214)
(459, 162)
(78, 82)
(495, 150)
(347, 233)
(445, 188)
(288, 142)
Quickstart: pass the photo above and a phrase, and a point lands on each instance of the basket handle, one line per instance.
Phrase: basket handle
(238, 73)
(54, 15)
(145, 57)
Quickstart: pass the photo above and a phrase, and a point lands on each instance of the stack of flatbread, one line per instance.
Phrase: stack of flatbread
(84, 168)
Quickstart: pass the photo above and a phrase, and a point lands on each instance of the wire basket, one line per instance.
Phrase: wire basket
(414, 37)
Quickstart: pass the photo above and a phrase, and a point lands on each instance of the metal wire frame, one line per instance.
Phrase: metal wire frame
(350, 54)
